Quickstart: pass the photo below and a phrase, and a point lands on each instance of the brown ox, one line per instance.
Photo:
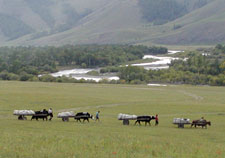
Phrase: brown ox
(202, 123)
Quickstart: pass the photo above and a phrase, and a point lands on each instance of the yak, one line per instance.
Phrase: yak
(40, 115)
(202, 123)
(145, 119)
(83, 115)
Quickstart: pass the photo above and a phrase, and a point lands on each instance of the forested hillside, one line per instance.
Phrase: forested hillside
(163, 11)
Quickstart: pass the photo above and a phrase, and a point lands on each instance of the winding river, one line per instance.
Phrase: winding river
(161, 63)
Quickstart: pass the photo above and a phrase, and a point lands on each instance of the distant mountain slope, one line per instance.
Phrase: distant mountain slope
(42, 17)
(101, 26)
(163, 11)
(52, 22)
(203, 26)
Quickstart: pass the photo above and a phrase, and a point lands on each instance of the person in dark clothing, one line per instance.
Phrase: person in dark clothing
(156, 120)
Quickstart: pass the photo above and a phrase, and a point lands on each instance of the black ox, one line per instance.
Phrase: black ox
(146, 119)
(83, 116)
(40, 115)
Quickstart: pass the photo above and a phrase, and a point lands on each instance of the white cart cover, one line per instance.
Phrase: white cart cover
(66, 114)
(181, 120)
(23, 112)
(127, 117)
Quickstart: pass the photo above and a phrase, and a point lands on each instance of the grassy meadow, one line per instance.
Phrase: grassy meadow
(109, 138)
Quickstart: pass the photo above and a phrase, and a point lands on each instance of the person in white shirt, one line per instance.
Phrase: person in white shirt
(50, 112)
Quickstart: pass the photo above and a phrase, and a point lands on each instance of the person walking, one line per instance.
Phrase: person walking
(156, 120)
(97, 116)
(50, 112)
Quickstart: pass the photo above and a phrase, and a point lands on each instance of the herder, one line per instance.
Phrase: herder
(97, 116)
(156, 120)
(50, 112)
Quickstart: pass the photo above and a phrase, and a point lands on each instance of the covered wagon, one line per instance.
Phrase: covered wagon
(126, 117)
(66, 115)
(180, 122)
(23, 113)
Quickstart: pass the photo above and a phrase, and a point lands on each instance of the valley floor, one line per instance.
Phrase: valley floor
(109, 138)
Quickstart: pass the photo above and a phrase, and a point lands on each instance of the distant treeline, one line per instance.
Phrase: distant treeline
(26, 63)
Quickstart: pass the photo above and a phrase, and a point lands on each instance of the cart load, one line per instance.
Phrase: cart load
(23, 112)
(66, 115)
(127, 117)
(180, 122)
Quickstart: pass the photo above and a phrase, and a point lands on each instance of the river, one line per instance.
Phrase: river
(161, 63)
(82, 74)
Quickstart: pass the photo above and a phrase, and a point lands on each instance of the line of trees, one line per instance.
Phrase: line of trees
(26, 63)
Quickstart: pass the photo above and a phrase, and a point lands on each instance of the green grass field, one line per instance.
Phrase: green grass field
(109, 138)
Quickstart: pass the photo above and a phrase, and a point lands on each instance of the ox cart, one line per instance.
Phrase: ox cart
(79, 116)
(180, 122)
(33, 116)
(144, 118)
(22, 114)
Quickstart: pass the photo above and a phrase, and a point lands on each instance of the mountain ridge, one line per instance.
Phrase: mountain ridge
(121, 21)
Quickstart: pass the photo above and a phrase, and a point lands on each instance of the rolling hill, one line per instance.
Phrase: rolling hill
(172, 22)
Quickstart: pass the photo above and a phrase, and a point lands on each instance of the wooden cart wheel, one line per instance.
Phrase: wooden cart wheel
(22, 117)
(126, 122)
(65, 119)
(180, 125)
